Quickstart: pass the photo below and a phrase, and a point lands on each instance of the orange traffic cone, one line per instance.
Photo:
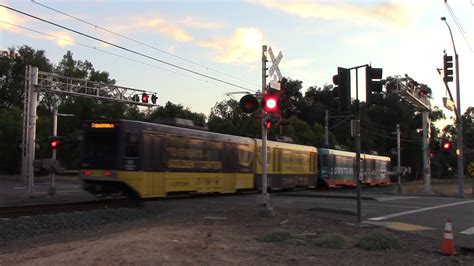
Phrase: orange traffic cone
(447, 245)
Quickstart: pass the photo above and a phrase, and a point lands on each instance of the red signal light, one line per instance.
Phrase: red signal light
(54, 144)
(446, 146)
(144, 98)
(270, 103)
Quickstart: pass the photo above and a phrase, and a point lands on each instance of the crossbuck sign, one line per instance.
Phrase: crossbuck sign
(274, 68)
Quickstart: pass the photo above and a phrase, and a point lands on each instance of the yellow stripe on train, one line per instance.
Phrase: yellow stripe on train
(159, 184)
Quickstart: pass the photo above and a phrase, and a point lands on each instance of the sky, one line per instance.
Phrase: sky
(222, 41)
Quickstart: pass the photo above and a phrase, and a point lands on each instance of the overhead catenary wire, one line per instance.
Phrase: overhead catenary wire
(126, 49)
(139, 42)
(458, 24)
(106, 52)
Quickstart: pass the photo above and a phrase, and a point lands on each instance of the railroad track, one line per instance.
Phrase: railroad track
(32, 210)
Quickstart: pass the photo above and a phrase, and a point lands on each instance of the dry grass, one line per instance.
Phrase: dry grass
(441, 187)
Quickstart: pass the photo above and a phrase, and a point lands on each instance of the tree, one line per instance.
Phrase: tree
(177, 111)
(226, 117)
(12, 73)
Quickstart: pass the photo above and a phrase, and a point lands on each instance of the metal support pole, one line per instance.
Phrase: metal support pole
(52, 176)
(326, 128)
(459, 151)
(263, 201)
(399, 179)
(425, 150)
(31, 139)
(459, 138)
(357, 148)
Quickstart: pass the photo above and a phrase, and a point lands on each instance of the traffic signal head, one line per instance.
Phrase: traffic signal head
(448, 68)
(248, 104)
(144, 98)
(373, 85)
(154, 98)
(343, 88)
(271, 102)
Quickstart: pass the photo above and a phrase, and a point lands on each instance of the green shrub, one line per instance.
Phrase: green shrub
(333, 240)
(379, 240)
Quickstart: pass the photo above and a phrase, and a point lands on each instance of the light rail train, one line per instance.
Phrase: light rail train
(149, 160)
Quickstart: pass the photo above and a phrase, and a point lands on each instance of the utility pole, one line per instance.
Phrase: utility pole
(326, 128)
(263, 200)
(399, 179)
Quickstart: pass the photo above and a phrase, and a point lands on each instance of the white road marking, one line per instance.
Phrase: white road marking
(395, 198)
(418, 210)
(469, 231)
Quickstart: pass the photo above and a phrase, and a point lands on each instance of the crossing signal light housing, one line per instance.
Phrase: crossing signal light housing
(448, 68)
(248, 104)
(271, 102)
(144, 98)
(374, 85)
(135, 98)
(154, 98)
(272, 120)
(343, 88)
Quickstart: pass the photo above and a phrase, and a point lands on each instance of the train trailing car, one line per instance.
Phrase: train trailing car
(337, 168)
(144, 160)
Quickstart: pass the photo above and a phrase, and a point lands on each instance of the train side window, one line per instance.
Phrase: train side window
(131, 146)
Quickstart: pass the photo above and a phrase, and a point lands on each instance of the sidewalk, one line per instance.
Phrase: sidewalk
(14, 193)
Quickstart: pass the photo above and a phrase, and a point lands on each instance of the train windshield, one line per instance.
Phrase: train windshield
(99, 149)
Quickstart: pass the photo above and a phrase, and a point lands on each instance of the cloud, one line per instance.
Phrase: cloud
(296, 63)
(243, 46)
(8, 18)
(356, 13)
(200, 24)
(162, 26)
(64, 38)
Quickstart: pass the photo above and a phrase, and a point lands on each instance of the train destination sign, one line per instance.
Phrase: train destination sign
(102, 125)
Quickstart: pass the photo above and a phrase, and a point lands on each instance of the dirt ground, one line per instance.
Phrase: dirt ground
(195, 233)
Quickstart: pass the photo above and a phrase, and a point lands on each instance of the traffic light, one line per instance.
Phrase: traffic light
(448, 68)
(271, 102)
(154, 98)
(144, 98)
(446, 146)
(343, 88)
(135, 98)
(55, 142)
(248, 104)
(373, 85)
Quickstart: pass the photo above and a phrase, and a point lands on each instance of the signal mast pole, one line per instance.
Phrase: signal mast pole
(263, 201)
